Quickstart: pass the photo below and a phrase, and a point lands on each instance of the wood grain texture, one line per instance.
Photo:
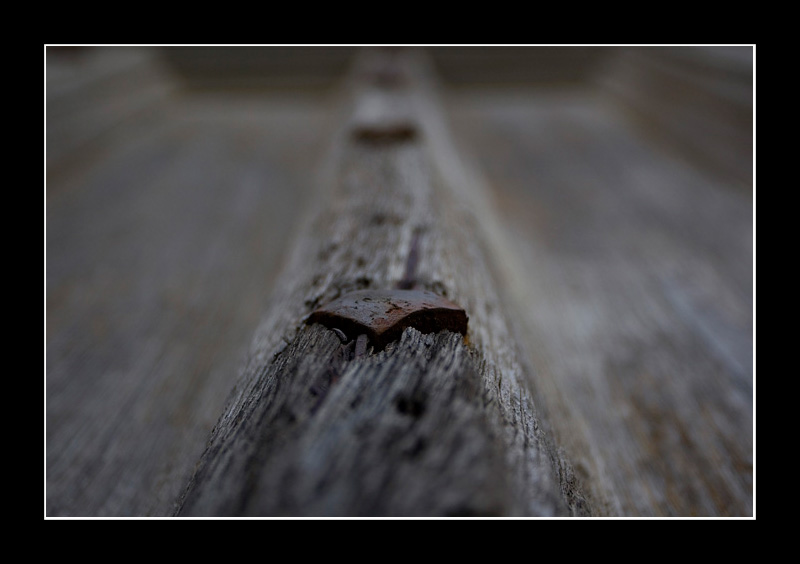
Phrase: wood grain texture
(433, 425)
(161, 249)
(632, 275)
(608, 368)
(697, 102)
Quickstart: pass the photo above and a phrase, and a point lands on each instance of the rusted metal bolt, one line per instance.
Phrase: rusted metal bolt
(386, 133)
(383, 315)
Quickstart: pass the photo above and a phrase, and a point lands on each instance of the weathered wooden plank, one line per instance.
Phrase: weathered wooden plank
(92, 92)
(434, 424)
(697, 102)
(153, 291)
(632, 275)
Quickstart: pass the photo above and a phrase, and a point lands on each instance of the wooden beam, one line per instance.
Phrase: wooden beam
(435, 424)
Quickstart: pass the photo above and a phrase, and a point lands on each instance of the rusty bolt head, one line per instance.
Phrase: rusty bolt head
(386, 133)
(382, 315)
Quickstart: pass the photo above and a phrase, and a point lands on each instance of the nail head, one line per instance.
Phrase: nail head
(383, 315)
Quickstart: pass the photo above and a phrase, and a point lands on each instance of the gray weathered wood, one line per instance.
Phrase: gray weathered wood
(153, 290)
(632, 274)
(435, 424)
(695, 101)
(628, 270)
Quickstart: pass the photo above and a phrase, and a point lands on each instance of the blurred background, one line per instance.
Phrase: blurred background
(623, 180)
